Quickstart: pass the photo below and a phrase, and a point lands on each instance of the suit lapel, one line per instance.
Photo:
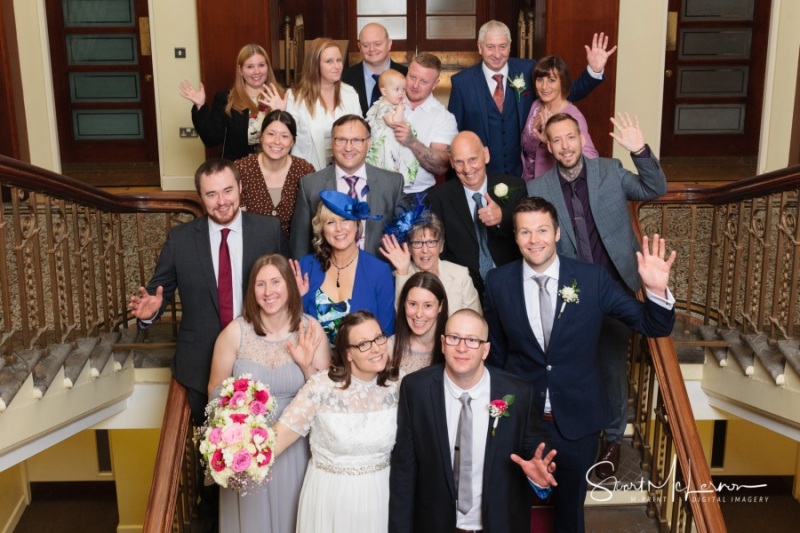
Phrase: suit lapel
(593, 183)
(374, 228)
(516, 296)
(458, 201)
(490, 454)
(512, 93)
(481, 90)
(203, 248)
(557, 196)
(440, 424)
(565, 276)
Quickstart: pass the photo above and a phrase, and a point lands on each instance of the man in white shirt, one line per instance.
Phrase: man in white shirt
(545, 313)
(453, 461)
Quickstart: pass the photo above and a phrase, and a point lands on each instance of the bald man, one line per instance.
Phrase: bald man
(374, 44)
(478, 237)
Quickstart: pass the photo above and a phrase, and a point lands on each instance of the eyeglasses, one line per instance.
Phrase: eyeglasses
(419, 244)
(341, 142)
(471, 342)
(380, 340)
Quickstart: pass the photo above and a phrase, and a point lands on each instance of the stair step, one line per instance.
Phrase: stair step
(771, 359)
(14, 374)
(102, 352)
(76, 360)
(742, 353)
(710, 333)
(48, 366)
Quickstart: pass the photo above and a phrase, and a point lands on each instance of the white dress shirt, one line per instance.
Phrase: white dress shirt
(235, 248)
(488, 73)
(480, 395)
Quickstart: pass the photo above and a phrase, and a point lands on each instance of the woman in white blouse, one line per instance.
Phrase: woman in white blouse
(316, 101)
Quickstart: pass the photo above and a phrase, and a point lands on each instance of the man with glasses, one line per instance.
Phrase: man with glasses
(351, 175)
(374, 44)
(476, 210)
(545, 314)
(451, 446)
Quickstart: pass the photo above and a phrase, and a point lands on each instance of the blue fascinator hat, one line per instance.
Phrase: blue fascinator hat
(406, 218)
(346, 207)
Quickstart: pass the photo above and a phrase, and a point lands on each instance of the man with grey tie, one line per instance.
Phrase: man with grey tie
(476, 210)
(590, 196)
(453, 461)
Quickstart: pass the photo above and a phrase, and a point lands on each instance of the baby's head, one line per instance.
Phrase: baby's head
(393, 86)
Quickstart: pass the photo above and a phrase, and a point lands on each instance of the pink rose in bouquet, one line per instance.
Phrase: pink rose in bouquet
(257, 408)
(241, 460)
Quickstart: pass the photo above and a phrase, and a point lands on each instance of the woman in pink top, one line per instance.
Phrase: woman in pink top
(552, 80)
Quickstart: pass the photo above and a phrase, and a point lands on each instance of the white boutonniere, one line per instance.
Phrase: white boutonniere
(518, 84)
(569, 295)
(501, 191)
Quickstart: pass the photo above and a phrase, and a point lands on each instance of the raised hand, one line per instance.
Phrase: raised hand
(539, 123)
(539, 469)
(300, 278)
(597, 55)
(271, 98)
(145, 306)
(399, 256)
(490, 214)
(196, 96)
(630, 134)
(653, 269)
(308, 339)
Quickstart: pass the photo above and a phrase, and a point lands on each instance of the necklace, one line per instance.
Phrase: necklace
(339, 269)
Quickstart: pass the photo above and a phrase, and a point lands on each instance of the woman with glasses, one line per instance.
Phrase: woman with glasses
(270, 178)
(421, 317)
(277, 344)
(350, 413)
(417, 250)
(339, 278)
(317, 100)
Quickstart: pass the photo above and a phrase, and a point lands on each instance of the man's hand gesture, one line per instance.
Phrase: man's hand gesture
(653, 269)
(539, 469)
(145, 306)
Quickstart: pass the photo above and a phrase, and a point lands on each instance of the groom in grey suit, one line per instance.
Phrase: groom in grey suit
(601, 189)
(349, 174)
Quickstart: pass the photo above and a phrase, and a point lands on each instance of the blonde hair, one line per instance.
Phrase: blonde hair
(238, 98)
(388, 76)
(307, 89)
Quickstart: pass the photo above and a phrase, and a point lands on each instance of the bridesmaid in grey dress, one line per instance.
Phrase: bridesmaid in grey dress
(280, 346)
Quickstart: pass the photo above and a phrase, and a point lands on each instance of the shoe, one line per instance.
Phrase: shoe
(610, 454)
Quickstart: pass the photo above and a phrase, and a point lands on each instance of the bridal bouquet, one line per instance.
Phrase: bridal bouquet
(236, 442)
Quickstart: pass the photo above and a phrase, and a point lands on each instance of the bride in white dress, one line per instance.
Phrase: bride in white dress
(351, 414)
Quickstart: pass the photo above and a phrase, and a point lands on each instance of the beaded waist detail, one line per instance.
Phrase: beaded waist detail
(352, 470)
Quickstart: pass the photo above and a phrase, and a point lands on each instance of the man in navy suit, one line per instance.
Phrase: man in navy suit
(548, 336)
(475, 107)
(602, 233)
(374, 44)
(432, 488)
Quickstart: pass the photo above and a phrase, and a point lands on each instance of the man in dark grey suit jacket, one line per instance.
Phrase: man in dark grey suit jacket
(374, 44)
(381, 189)
(424, 479)
(602, 187)
(188, 264)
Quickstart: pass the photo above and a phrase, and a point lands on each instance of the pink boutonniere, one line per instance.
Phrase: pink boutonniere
(499, 408)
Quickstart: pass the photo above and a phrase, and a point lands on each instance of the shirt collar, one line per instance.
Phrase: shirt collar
(361, 172)
(368, 72)
(484, 188)
(455, 391)
(235, 225)
(551, 272)
(488, 73)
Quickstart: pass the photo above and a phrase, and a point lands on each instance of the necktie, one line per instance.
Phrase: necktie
(498, 91)
(225, 281)
(545, 309)
(485, 262)
(581, 231)
(462, 456)
(351, 182)
(376, 91)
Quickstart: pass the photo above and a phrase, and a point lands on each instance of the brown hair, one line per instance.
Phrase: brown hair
(238, 98)
(556, 65)
(431, 223)
(402, 331)
(307, 89)
(428, 60)
(341, 368)
(561, 117)
(535, 204)
(214, 166)
(294, 305)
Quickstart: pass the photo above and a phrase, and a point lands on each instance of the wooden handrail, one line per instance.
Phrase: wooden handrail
(15, 173)
(165, 487)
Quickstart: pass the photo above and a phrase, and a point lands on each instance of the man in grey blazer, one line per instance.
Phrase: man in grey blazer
(349, 174)
(189, 263)
(602, 233)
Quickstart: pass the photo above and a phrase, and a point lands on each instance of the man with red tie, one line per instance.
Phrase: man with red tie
(208, 260)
